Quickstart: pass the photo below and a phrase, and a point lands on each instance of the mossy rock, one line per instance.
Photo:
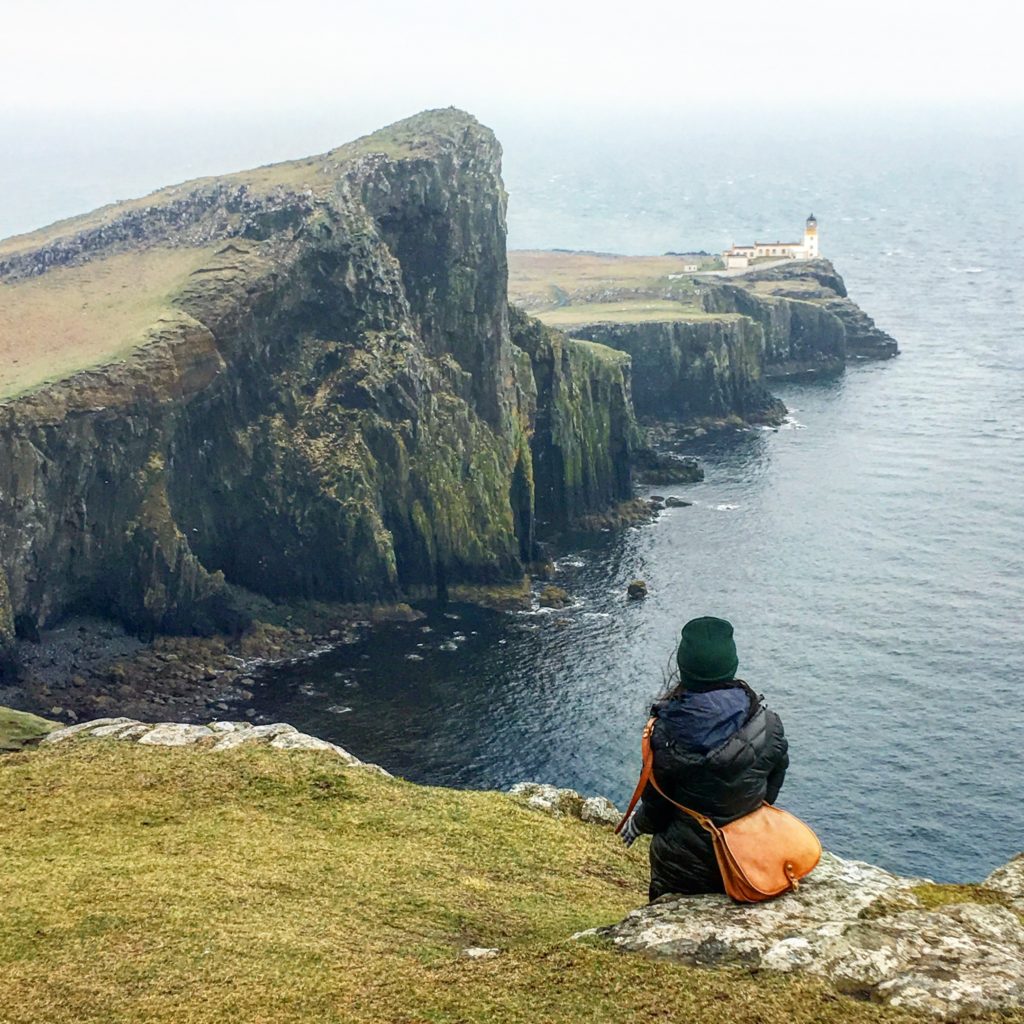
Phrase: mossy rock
(554, 597)
(933, 895)
(19, 729)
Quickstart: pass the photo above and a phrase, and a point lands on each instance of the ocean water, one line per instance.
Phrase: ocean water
(870, 553)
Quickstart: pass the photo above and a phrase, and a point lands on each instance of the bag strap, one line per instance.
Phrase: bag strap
(702, 819)
(647, 775)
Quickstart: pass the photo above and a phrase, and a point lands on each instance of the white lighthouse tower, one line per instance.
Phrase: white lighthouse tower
(811, 238)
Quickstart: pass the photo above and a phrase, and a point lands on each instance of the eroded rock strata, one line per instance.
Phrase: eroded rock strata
(810, 325)
(334, 406)
(692, 370)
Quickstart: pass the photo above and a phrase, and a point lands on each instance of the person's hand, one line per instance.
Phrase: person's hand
(629, 831)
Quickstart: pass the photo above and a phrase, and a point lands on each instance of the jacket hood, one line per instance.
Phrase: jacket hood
(702, 720)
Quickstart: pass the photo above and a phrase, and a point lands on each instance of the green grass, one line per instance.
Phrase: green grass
(543, 279)
(636, 311)
(931, 895)
(162, 885)
(602, 352)
(18, 728)
(73, 318)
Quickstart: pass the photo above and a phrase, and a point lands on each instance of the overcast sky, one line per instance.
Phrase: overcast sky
(395, 56)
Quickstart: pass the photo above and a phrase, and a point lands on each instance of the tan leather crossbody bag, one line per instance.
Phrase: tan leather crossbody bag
(761, 855)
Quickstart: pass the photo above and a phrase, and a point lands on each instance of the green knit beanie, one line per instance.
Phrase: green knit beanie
(707, 651)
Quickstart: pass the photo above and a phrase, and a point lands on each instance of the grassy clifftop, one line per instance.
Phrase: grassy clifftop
(568, 288)
(76, 317)
(19, 728)
(146, 884)
(100, 283)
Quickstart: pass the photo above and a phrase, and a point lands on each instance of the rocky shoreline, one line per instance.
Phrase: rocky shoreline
(87, 667)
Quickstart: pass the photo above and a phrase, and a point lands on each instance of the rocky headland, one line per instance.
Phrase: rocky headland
(705, 344)
(270, 406)
(299, 383)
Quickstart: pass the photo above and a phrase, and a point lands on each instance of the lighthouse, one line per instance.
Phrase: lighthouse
(811, 238)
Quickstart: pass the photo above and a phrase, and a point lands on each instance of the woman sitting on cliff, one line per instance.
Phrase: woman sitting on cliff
(717, 750)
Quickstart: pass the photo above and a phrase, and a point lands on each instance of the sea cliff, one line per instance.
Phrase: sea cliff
(810, 325)
(314, 393)
(693, 370)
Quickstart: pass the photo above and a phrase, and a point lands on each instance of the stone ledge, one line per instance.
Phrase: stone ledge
(859, 927)
(215, 737)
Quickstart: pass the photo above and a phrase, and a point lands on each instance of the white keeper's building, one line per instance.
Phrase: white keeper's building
(740, 256)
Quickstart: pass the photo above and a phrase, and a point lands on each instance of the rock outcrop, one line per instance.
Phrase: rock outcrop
(334, 407)
(810, 326)
(946, 950)
(213, 738)
(565, 803)
(692, 370)
(702, 344)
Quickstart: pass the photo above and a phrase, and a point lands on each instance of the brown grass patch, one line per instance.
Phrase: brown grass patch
(73, 318)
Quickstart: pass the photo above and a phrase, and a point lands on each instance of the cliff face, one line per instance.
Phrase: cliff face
(585, 429)
(702, 344)
(810, 325)
(331, 407)
(690, 370)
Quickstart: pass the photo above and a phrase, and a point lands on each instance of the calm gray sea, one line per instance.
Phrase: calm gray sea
(870, 553)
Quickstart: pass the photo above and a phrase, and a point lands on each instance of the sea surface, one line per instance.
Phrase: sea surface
(870, 552)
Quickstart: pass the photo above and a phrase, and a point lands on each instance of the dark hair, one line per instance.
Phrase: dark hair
(672, 682)
(673, 685)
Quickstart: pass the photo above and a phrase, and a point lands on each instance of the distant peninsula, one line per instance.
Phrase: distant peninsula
(704, 342)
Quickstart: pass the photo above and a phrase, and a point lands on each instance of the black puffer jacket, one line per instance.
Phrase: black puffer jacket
(717, 750)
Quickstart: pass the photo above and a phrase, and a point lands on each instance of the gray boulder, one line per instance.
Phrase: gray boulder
(565, 803)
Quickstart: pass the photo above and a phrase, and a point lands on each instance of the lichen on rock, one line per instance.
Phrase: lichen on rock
(863, 929)
(565, 803)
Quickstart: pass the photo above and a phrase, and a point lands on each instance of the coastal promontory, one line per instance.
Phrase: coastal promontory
(705, 343)
(297, 382)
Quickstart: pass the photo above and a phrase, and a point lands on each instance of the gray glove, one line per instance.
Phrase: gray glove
(629, 831)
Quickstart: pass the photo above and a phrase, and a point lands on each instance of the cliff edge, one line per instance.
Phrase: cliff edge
(174, 872)
(704, 344)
